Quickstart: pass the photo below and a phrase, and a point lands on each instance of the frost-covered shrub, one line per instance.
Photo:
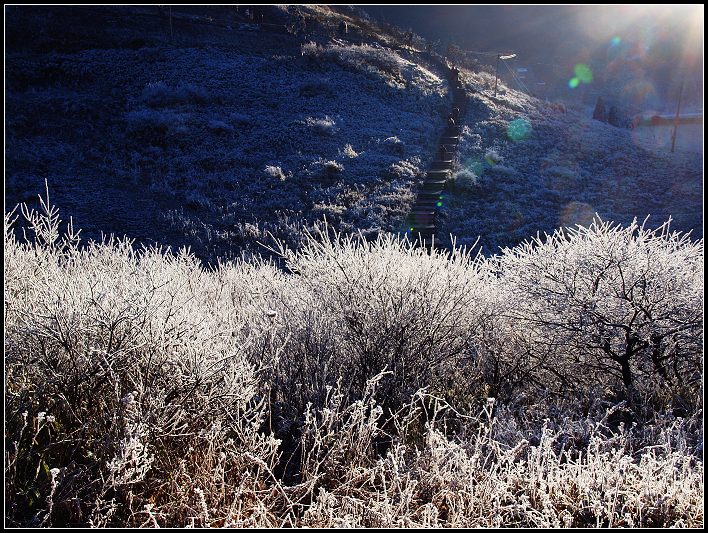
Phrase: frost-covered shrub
(349, 151)
(607, 306)
(159, 94)
(330, 212)
(275, 172)
(482, 478)
(311, 50)
(129, 400)
(145, 390)
(470, 141)
(502, 170)
(248, 230)
(332, 168)
(492, 157)
(464, 180)
(395, 145)
(321, 126)
(377, 301)
(405, 169)
(365, 57)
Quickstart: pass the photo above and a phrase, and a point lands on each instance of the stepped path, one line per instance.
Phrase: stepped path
(421, 220)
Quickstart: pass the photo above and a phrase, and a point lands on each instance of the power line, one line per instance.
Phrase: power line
(488, 53)
(522, 85)
(513, 75)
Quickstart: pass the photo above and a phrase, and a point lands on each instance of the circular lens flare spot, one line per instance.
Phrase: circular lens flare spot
(475, 165)
(519, 129)
(583, 73)
(573, 83)
(577, 214)
(616, 40)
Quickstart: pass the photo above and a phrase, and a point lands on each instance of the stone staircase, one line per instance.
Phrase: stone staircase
(422, 218)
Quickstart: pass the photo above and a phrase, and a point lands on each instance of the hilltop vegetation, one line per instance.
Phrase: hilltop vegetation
(533, 165)
(214, 140)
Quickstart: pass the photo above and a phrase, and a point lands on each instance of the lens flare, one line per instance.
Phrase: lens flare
(573, 83)
(575, 213)
(641, 93)
(475, 165)
(583, 73)
(616, 40)
(519, 129)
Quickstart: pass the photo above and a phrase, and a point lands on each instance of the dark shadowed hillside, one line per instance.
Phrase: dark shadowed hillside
(219, 130)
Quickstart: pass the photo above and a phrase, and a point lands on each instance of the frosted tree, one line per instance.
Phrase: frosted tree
(605, 304)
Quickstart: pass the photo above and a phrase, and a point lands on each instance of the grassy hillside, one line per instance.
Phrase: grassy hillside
(346, 377)
(216, 132)
(532, 166)
(212, 141)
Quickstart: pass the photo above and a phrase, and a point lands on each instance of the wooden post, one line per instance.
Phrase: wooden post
(676, 119)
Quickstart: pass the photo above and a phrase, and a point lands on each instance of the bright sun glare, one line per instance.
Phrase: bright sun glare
(619, 19)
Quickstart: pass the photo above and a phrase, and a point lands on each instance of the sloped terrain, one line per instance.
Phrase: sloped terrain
(211, 131)
(362, 380)
(528, 166)
(213, 142)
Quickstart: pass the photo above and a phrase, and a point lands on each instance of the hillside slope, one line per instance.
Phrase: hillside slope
(217, 135)
(528, 166)
(205, 129)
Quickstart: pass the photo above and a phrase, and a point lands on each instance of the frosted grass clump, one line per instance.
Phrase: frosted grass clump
(349, 151)
(465, 180)
(321, 126)
(275, 172)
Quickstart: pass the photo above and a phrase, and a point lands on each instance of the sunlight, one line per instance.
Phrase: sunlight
(340, 269)
(611, 22)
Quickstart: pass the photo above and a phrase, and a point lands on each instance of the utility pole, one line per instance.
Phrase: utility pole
(496, 70)
(676, 119)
